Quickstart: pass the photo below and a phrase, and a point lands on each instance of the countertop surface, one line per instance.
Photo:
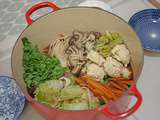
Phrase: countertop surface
(12, 22)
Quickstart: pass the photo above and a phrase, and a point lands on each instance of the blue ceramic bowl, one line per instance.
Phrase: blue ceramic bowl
(146, 23)
(12, 99)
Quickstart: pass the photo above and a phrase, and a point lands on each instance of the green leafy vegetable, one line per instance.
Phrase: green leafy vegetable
(71, 92)
(48, 92)
(107, 41)
(39, 67)
(94, 102)
(74, 106)
(73, 97)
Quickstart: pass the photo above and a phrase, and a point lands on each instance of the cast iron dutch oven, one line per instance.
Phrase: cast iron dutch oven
(43, 30)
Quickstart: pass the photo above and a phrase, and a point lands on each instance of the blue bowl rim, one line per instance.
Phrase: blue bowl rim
(142, 13)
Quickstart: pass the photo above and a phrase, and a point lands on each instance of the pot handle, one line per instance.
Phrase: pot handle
(38, 6)
(132, 92)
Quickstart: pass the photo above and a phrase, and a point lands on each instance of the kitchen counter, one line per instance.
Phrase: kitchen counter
(12, 22)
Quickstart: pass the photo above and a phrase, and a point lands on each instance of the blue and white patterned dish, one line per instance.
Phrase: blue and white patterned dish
(146, 23)
(12, 99)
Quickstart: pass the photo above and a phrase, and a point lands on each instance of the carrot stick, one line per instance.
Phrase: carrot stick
(46, 49)
(117, 91)
(116, 85)
(124, 86)
(109, 94)
(92, 85)
(110, 89)
(118, 95)
(97, 92)
(97, 85)
(100, 87)
(80, 82)
(128, 82)
(118, 79)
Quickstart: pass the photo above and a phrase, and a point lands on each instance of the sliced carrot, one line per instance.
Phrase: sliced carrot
(113, 95)
(95, 84)
(118, 95)
(101, 88)
(98, 86)
(97, 92)
(124, 86)
(114, 84)
(115, 88)
(116, 91)
(79, 82)
(118, 79)
(110, 89)
(108, 95)
(128, 82)
(46, 49)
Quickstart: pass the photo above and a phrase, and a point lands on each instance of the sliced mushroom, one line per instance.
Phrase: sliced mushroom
(72, 50)
(77, 39)
(58, 48)
(91, 37)
(76, 57)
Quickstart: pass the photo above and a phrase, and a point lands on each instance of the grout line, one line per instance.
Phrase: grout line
(68, 4)
(55, 1)
(115, 3)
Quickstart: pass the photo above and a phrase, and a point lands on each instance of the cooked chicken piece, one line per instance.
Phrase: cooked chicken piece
(112, 67)
(121, 53)
(126, 73)
(95, 57)
(95, 71)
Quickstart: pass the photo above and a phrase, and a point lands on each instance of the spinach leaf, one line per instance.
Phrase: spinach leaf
(39, 67)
